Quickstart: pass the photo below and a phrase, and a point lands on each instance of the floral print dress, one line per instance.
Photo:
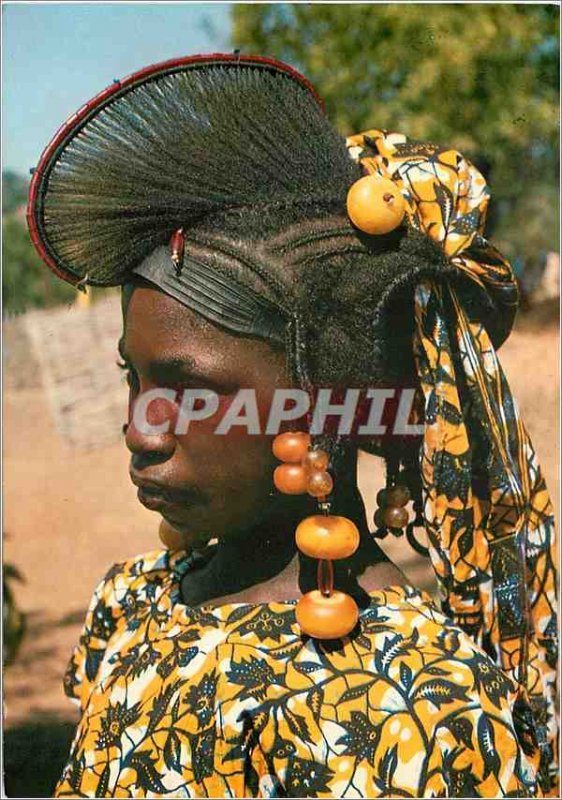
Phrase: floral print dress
(232, 701)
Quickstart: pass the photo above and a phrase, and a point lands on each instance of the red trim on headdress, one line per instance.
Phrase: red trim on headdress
(140, 76)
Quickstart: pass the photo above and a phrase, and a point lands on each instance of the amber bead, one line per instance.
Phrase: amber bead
(172, 538)
(316, 460)
(327, 537)
(327, 617)
(291, 447)
(381, 498)
(290, 478)
(319, 484)
(398, 495)
(395, 516)
(375, 205)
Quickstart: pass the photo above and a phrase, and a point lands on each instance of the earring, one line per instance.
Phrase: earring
(324, 613)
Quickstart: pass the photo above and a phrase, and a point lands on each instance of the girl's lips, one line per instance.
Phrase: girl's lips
(156, 498)
(153, 501)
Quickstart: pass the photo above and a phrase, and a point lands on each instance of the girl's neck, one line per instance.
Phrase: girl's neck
(263, 565)
(239, 562)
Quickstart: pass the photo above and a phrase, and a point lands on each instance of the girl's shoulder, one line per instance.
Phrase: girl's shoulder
(126, 589)
(128, 582)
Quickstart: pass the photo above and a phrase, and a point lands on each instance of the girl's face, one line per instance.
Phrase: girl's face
(203, 483)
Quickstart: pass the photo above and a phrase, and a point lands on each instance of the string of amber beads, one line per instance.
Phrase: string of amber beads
(392, 512)
(304, 470)
(375, 205)
(324, 613)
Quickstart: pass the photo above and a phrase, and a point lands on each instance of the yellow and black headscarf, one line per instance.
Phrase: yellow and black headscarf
(487, 511)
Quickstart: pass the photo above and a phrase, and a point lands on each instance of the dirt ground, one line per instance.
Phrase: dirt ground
(69, 514)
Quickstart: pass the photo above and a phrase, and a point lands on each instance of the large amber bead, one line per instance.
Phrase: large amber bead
(291, 446)
(290, 478)
(375, 205)
(172, 538)
(327, 617)
(327, 537)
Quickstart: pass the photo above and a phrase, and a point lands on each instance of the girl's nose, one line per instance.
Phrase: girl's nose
(150, 431)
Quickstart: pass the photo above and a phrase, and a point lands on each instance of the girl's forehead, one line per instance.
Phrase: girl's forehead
(158, 327)
(149, 308)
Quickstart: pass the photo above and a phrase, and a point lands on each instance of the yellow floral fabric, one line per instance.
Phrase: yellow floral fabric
(233, 701)
(487, 513)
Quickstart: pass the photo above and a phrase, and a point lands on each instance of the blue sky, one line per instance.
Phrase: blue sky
(57, 56)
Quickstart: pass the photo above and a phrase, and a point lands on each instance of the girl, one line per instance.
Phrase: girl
(260, 253)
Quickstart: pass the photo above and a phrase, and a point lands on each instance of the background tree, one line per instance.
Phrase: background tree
(14, 191)
(26, 282)
(481, 78)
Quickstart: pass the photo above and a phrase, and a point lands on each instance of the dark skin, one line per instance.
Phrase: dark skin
(209, 486)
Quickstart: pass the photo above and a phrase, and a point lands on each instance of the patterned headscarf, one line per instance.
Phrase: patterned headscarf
(487, 511)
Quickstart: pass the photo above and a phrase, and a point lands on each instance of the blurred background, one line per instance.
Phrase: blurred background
(481, 78)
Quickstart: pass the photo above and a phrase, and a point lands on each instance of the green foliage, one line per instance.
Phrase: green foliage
(14, 191)
(26, 281)
(481, 78)
(531, 228)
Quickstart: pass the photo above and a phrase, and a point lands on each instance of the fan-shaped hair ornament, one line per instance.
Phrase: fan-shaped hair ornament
(137, 161)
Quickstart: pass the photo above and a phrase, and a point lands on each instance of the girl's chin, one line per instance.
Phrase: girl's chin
(185, 529)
